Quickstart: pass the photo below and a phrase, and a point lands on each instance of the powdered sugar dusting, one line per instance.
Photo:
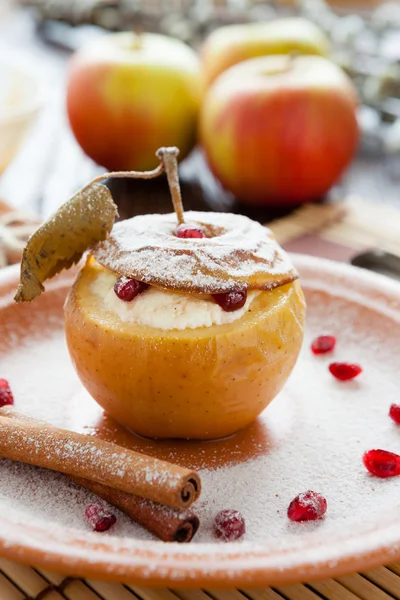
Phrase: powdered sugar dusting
(92, 458)
(307, 499)
(239, 252)
(317, 430)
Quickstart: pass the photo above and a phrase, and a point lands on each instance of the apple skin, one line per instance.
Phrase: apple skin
(232, 44)
(202, 383)
(129, 94)
(280, 130)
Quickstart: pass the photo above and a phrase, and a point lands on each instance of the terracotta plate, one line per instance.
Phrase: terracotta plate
(312, 437)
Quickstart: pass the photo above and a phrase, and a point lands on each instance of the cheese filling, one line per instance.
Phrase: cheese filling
(166, 309)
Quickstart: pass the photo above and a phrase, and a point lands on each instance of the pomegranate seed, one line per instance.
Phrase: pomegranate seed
(100, 519)
(323, 344)
(394, 413)
(186, 230)
(127, 289)
(382, 463)
(308, 506)
(344, 371)
(229, 525)
(6, 396)
(232, 300)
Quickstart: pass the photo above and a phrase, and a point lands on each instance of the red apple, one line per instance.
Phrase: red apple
(128, 94)
(229, 45)
(280, 130)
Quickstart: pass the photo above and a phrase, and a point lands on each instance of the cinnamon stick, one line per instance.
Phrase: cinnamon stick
(98, 461)
(168, 524)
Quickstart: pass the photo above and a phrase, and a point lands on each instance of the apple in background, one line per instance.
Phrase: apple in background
(128, 94)
(280, 130)
(232, 44)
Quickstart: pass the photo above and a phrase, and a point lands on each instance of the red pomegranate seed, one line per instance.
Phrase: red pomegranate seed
(344, 371)
(394, 413)
(100, 519)
(323, 344)
(232, 300)
(187, 230)
(6, 396)
(308, 506)
(382, 463)
(127, 289)
(229, 525)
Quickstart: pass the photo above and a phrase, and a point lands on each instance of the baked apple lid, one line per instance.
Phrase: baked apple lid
(236, 252)
(233, 251)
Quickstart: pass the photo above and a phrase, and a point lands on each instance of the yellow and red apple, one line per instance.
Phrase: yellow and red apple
(278, 129)
(232, 44)
(129, 94)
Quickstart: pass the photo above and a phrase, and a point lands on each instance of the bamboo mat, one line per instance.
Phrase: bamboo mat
(18, 582)
(336, 231)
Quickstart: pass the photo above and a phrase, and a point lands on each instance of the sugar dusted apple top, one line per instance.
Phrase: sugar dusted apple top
(234, 253)
(225, 255)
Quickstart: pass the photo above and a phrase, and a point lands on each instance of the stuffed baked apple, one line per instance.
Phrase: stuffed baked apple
(183, 325)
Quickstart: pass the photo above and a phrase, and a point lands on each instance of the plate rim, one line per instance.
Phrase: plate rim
(218, 565)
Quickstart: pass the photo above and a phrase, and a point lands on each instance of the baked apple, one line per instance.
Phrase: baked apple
(185, 325)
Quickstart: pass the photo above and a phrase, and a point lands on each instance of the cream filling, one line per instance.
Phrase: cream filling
(165, 309)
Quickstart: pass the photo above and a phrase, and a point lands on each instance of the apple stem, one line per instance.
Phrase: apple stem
(169, 159)
(168, 163)
(137, 38)
(132, 174)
